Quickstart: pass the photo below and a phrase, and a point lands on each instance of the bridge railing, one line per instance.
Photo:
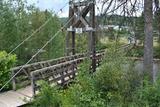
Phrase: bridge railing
(23, 78)
(59, 74)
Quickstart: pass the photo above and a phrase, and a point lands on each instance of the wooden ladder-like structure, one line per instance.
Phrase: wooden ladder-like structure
(79, 24)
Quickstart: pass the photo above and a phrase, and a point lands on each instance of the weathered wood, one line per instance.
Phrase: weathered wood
(13, 81)
(33, 85)
(80, 10)
(59, 74)
(58, 69)
(15, 98)
(52, 68)
(63, 72)
(83, 3)
(48, 61)
(27, 69)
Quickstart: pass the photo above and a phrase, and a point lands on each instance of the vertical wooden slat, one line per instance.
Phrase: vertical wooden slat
(62, 76)
(33, 84)
(13, 81)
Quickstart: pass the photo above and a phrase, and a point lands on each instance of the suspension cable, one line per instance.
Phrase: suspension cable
(56, 34)
(37, 30)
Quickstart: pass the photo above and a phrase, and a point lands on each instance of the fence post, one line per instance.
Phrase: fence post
(13, 81)
(33, 84)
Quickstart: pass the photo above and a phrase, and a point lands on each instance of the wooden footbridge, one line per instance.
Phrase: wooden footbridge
(26, 79)
(59, 71)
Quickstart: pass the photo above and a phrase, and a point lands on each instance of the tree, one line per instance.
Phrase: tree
(148, 45)
(157, 18)
(139, 29)
(19, 21)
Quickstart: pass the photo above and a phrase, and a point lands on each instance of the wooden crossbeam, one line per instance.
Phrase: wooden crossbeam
(83, 13)
(82, 3)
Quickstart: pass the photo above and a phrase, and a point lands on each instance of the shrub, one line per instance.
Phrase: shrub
(115, 84)
(82, 94)
(48, 97)
(148, 95)
(6, 62)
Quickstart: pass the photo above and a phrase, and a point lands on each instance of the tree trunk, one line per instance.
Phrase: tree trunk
(148, 46)
(157, 14)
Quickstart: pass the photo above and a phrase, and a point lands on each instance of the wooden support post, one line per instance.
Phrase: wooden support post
(93, 42)
(67, 44)
(33, 84)
(73, 43)
(13, 81)
(70, 35)
(80, 10)
(90, 43)
(62, 76)
(73, 66)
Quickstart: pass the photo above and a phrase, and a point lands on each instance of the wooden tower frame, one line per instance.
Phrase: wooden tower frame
(77, 14)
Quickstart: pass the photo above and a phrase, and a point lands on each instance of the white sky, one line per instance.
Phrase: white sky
(56, 5)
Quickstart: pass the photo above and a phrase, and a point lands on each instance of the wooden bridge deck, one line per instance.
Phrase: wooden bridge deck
(16, 98)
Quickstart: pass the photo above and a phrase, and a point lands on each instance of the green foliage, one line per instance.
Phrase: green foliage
(18, 22)
(81, 43)
(116, 80)
(139, 29)
(110, 86)
(6, 62)
(48, 97)
(56, 47)
(82, 93)
(157, 52)
(115, 84)
(136, 52)
(148, 95)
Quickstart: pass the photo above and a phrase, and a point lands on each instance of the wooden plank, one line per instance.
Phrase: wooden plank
(27, 91)
(15, 98)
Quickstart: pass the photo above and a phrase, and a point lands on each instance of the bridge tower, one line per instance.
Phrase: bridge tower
(78, 10)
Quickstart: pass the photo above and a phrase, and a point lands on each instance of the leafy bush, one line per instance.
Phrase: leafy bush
(117, 79)
(148, 95)
(48, 97)
(112, 85)
(136, 52)
(6, 62)
(82, 93)
(157, 52)
(115, 84)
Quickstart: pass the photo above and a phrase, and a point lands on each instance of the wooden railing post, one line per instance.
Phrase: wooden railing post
(33, 84)
(13, 81)
(62, 76)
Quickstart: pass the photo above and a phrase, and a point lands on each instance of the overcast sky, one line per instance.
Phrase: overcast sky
(54, 5)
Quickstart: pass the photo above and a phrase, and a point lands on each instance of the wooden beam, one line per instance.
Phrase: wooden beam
(83, 14)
